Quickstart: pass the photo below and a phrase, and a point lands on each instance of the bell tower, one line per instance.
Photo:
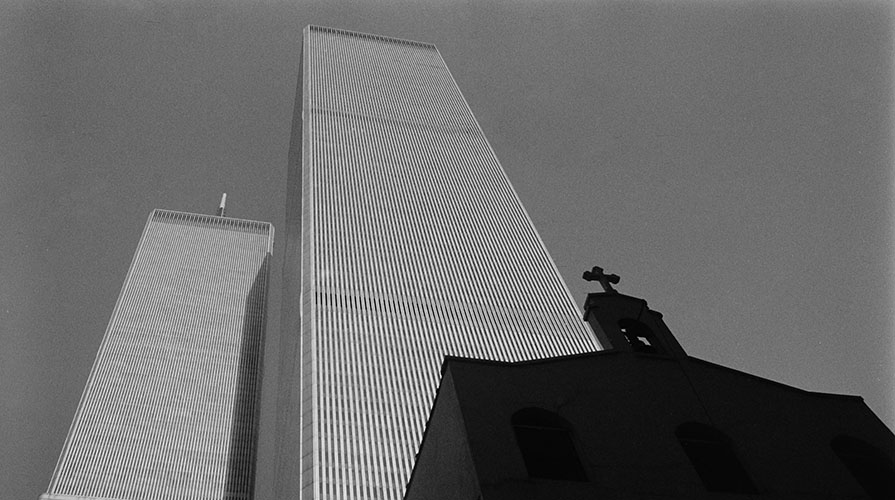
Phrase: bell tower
(626, 323)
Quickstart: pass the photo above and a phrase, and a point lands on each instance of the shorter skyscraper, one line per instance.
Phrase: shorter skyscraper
(170, 410)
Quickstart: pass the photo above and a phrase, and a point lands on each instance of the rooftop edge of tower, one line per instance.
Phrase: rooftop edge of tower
(212, 220)
(358, 34)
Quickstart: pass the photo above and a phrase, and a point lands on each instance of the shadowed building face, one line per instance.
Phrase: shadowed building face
(170, 410)
(405, 242)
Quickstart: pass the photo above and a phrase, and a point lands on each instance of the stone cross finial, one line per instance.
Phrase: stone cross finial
(606, 280)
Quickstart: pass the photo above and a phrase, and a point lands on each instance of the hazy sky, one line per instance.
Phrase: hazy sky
(731, 160)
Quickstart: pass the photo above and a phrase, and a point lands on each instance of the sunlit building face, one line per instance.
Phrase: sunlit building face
(405, 243)
(170, 410)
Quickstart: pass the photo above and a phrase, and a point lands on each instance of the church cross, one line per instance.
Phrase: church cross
(606, 280)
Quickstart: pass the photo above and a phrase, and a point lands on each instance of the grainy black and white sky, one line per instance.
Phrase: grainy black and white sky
(731, 160)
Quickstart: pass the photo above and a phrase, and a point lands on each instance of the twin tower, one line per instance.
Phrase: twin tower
(404, 243)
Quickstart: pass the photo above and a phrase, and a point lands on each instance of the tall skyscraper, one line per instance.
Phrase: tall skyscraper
(405, 242)
(170, 410)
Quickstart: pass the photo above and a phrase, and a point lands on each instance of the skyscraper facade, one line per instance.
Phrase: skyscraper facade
(405, 242)
(170, 409)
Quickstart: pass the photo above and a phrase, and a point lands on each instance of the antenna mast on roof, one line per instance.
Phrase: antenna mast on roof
(221, 208)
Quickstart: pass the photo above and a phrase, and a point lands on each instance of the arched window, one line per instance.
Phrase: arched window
(868, 464)
(640, 336)
(545, 440)
(712, 455)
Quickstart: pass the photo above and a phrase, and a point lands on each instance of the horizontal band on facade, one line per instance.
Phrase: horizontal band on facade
(381, 119)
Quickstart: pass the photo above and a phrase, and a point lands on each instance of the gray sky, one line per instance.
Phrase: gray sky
(731, 160)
